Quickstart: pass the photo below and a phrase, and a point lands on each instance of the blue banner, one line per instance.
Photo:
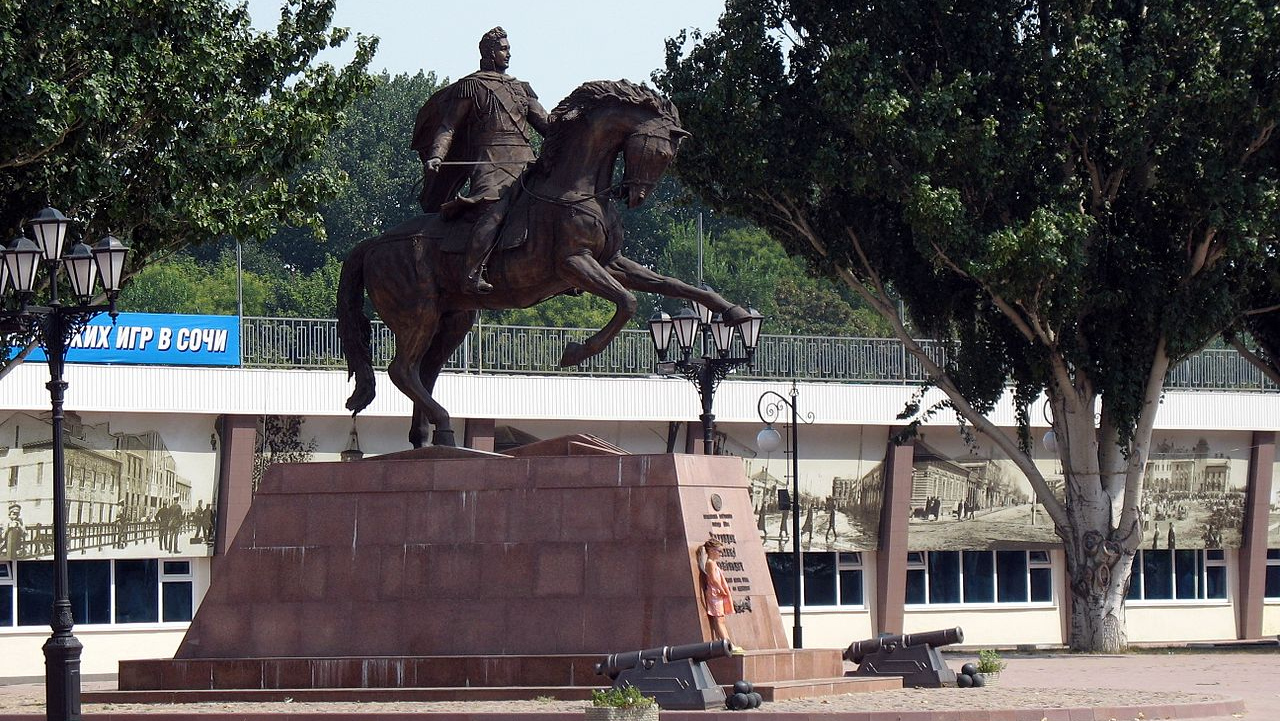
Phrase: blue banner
(156, 339)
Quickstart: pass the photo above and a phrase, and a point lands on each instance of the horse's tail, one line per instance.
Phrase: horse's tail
(355, 330)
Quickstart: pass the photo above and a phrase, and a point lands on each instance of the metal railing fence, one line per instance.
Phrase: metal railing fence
(314, 343)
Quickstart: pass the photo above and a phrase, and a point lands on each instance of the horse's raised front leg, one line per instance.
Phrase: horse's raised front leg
(637, 277)
(582, 271)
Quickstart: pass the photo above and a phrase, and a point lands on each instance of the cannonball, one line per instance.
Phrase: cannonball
(742, 687)
(979, 680)
(737, 701)
(969, 668)
(964, 680)
(756, 699)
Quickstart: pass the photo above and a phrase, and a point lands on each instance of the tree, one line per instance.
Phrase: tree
(371, 149)
(169, 123)
(1072, 195)
(744, 264)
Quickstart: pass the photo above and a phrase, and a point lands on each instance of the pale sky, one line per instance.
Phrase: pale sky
(556, 45)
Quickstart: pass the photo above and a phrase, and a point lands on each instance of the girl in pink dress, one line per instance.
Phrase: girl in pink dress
(715, 590)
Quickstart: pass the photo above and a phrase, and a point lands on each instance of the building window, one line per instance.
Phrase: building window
(830, 579)
(978, 577)
(6, 594)
(137, 600)
(1179, 575)
(1273, 573)
(124, 591)
(177, 586)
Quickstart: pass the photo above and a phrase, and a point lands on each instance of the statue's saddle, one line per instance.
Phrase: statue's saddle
(451, 228)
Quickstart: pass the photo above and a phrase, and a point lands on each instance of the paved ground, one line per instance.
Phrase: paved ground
(1165, 684)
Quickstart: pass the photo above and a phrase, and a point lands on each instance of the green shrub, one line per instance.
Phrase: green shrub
(625, 697)
(989, 661)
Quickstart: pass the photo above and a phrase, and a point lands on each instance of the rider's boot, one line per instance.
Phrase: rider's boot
(480, 245)
(476, 284)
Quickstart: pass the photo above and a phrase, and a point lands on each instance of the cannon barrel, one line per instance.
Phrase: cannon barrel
(942, 637)
(616, 663)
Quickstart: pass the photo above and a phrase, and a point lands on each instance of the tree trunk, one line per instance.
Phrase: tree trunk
(1097, 578)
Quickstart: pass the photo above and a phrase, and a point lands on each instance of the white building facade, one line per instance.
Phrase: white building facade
(877, 555)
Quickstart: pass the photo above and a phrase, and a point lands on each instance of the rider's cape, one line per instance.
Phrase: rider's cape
(441, 186)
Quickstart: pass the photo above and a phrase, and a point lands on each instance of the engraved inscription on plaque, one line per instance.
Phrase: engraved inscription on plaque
(735, 572)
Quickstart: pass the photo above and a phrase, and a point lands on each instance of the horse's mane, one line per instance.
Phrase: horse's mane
(590, 95)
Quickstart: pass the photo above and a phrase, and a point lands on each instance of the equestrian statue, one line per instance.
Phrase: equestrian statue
(557, 231)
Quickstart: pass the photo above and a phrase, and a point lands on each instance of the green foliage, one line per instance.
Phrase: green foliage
(371, 149)
(989, 661)
(561, 311)
(626, 697)
(171, 122)
(294, 273)
(184, 284)
(1068, 183)
(746, 266)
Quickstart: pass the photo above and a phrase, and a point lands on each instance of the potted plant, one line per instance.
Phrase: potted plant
(621, 704)
(990, 664)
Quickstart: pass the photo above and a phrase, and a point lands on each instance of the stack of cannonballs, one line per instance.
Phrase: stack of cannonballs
(744, 696)
(969, 677)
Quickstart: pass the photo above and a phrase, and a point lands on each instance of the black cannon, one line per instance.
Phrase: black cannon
(676, 676)
(913, 656)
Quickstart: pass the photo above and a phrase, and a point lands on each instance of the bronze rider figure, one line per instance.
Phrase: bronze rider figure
(477, 129)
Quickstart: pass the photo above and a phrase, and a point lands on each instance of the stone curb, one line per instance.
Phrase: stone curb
(1196, 710)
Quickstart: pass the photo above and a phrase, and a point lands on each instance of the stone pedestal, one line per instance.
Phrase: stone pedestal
(585, 551)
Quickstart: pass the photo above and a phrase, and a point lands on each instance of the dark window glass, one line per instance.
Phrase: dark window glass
(1215, 578)
(915, 586)
(1157, 575)
(136, 597)
(819, 579)
(944, 576)
(915, 557)
(979, 577)
(1039, 556)
(1041, 585)
(780, 565)
(1135, 578)
(1273, 582)
(177, 601)
(854, 557)
(90, 591)
(4, 570)
(1215, 554)
(35, 592)
(177, 568)
(851, 587)
(1185, 567)
(1011, 576)
(6, 605)
(1273, 554)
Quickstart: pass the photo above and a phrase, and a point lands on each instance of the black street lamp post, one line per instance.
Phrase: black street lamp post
(53, 326)
(706, 371)
(769, 407)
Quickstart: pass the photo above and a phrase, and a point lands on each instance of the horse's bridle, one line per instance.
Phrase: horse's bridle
(659, 127)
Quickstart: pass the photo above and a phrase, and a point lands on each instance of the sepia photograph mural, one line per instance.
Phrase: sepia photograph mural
(132, 491)
(971, 497)
(840, 499)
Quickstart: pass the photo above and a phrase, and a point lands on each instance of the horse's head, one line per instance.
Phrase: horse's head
(646, 154)
(625, 117)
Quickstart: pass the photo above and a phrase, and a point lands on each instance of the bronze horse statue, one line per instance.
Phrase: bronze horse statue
(561, 232)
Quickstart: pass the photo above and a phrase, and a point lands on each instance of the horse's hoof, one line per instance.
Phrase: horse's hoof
(574, 353)
(735, 315)
(443, 437)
